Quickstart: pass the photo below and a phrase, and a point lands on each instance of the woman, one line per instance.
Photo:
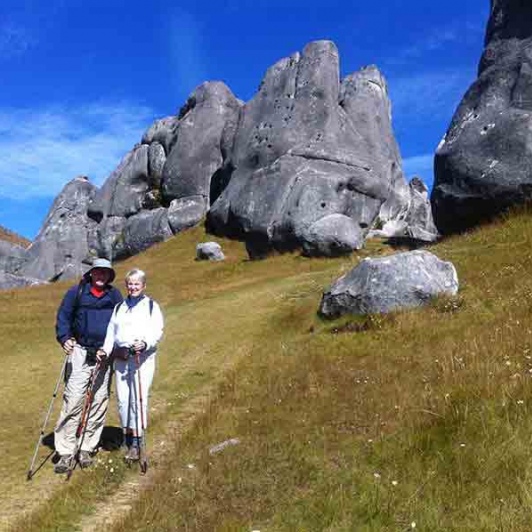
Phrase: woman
(135, 328)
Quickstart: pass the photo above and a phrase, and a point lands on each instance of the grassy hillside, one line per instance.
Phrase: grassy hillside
(13, 238)
(414, 420)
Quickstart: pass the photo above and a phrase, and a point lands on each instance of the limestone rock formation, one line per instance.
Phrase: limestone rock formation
(61, 247)
(310, 162)
(390, 283)
(483, 163)
(306, 147)
(11, 256)
(332, 236)
(414, 221)
(164, 184)
(8, 280)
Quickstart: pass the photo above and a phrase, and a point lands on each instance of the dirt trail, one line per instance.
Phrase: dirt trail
(115, 507)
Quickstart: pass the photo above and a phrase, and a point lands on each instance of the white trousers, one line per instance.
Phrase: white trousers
(128, 393)
(74, 395)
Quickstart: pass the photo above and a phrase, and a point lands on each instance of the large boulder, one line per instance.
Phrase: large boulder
(61, 247)
(482, 165)
(306, 147)
(124, 191)
(390, 283)
(140, 232)
(209, 251)
(163, 185)
(196, 154)
(332, 236)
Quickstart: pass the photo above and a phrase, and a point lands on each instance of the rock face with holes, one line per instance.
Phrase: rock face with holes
(483, 163)
(308, 146)
(61, 247)
(310, 162)
(390, 283)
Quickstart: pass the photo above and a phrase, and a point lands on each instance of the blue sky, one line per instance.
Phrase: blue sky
(83, 79)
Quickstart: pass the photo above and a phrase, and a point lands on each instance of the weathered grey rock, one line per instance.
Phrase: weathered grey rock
(332, 236)
(156, 160)
(164, 132)
(186, 212)
(107, 236)
(8, 280)
(11, 256)
(124, 191)
(196, 155)
(142, 231)
(390, 283)
(482, 165)
(61, 246)
(307, 147)
(209, 251)
(414, 221)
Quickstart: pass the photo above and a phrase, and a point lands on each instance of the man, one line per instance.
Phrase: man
(81, 326)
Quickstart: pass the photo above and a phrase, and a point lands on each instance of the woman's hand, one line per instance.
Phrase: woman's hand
(138, 346)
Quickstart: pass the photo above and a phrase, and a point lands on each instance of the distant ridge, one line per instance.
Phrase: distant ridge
(13, 238)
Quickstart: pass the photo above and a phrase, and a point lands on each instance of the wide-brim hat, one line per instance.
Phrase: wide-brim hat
(103, 264)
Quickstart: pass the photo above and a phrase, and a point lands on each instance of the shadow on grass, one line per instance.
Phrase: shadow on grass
(111, 439)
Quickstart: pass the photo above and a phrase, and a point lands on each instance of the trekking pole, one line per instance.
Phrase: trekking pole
(60, 378)
(142, 450)
(87, 405)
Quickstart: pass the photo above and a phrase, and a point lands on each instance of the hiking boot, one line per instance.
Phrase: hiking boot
(84, 459)
(132, 455)
(63, 465)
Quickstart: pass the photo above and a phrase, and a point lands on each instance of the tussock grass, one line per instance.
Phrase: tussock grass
(363, 424)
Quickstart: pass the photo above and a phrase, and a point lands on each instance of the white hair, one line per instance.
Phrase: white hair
(136, 272)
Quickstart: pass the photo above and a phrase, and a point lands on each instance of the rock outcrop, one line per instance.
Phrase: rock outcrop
(482, 165)
(164, 185)
(11, 256)
(390, 283)
(414, 221)
(61, 247)
(307, 147)
(310, 162)
(8, 280)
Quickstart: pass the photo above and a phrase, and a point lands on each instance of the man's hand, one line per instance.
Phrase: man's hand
(138, 346)
(68, 346)
(101, 355)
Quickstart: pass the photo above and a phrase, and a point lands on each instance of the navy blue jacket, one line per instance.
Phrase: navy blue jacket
(87, 320)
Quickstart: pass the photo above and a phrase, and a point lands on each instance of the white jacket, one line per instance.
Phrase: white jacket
(130, 324)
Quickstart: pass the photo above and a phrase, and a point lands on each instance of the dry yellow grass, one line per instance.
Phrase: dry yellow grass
(421, 417)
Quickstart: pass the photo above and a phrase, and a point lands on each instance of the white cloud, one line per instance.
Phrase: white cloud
(41, 150)
(466, 34)
(420, 165)
(429, 93)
